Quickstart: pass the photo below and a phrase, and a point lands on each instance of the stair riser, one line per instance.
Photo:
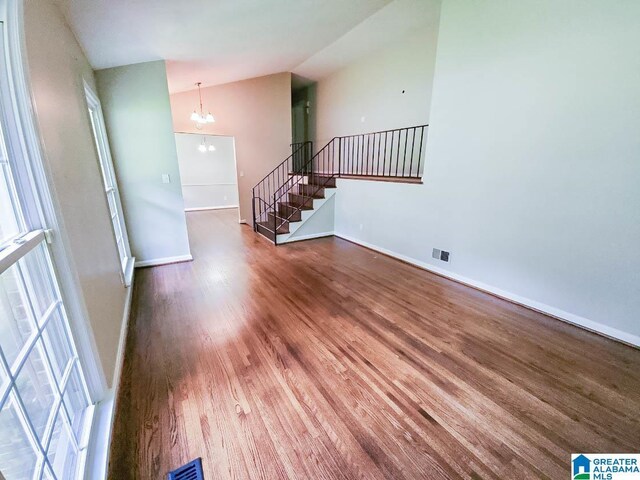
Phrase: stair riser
(280, 219)
(285, 211)
(284, 228)
(291, 213)
(329, 182)
(266, 233)
(311, 190)
(301, 200)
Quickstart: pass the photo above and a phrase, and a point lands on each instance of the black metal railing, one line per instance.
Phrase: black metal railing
(315, 175)
(300, 155)
(387, 154)
(265, 190)
(390, 153)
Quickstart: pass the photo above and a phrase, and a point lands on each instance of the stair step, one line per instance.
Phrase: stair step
(322, 180)
(301, 201)
(264, 232)
(281, 219)
(290, 211)
(271, 225)
(311, 191)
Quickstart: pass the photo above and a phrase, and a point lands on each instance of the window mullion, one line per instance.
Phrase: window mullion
(23, 417)
(5, 365)
(33, 339)
(27, 425)
(49, 431)
(41, 324)
(66, 326)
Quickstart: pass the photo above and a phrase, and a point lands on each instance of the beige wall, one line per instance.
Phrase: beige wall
(135, 103)
(257, 112)
(57, 67)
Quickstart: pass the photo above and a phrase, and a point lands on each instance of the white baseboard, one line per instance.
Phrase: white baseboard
(97, 460)
(99, 444)
(585, 323)
(199, 209)
(122, 341)
(308, 237)
(163, 261)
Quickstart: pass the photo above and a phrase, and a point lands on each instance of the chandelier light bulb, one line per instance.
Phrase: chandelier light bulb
(202, 147)
(200, 118)
(212, 148)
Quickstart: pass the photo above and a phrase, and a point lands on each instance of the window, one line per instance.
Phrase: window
(44, 399)
(110, 184)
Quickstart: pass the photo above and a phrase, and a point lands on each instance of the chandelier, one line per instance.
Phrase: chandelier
(200, 118)
(204, 148)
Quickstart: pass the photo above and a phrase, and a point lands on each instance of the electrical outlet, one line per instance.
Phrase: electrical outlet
(444, 256)
(436, 254)
(361, 227)
(166, 178)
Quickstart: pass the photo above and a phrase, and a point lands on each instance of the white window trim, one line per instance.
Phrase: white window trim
(103, 153)
(9, 392)
(11, 14)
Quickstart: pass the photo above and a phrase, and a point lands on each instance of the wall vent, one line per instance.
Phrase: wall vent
(190, 471)
(440, 254)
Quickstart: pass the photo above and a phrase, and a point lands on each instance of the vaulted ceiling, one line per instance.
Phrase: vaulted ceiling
(215, 41)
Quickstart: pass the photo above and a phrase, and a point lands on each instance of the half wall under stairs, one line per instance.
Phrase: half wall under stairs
(293, 193)
(311, 194)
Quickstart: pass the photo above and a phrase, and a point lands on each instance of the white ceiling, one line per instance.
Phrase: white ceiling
(213, 41)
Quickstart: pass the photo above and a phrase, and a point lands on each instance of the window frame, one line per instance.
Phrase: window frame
(34, 209)
(43, 207)
(38, 343)
(110, 183)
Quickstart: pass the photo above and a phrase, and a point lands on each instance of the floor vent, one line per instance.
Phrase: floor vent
(190, 471)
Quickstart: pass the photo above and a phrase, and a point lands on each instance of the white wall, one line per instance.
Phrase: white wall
(208, 178)
(372, 88)
(57, 67)
(532, 163)
(135, 102)
(320, 224)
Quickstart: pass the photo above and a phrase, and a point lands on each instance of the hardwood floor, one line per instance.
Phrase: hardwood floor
(324, 360)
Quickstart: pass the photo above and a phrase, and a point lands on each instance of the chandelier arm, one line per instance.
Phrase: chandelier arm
(200, 96)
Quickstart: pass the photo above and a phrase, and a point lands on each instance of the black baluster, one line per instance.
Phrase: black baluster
(420, 152)
(404, 159)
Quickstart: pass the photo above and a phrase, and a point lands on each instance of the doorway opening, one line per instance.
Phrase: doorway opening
(303, 126)
(208, 171)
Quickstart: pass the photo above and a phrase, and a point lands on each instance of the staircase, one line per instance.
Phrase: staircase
(298, 187)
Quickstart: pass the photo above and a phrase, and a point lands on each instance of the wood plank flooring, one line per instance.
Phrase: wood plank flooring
(325, 360)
